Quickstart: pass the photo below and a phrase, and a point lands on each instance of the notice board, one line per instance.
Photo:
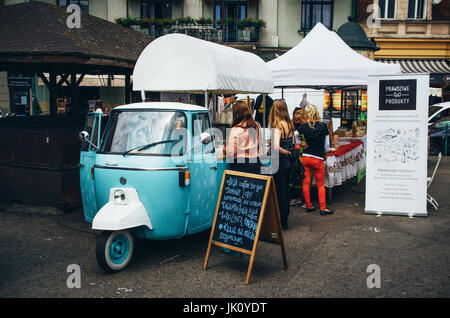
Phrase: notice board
(246, 212)
(397, 131)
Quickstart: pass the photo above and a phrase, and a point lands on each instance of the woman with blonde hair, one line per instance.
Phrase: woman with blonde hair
(316, 135)
(283, 128)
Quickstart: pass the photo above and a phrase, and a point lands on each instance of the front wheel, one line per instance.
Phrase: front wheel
(114, 250)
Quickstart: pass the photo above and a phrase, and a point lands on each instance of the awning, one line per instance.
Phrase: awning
(440, 66)
(181, 63)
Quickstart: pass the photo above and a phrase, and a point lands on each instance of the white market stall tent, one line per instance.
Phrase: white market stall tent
(322, 59)
(180, 63)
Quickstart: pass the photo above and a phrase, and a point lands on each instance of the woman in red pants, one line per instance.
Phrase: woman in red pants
(316, 136)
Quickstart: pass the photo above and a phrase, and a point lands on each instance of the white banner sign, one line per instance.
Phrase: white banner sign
(396, 171)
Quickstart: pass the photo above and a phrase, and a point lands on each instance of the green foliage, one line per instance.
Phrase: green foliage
(203, 21)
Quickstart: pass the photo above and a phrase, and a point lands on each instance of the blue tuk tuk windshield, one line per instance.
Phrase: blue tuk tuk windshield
(145, 132)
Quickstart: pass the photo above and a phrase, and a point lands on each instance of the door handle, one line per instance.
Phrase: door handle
(213, 167)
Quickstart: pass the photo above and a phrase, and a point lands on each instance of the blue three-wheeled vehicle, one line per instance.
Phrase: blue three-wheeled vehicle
(153, 174)
(152, 170)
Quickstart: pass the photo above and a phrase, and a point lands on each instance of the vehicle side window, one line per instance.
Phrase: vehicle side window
(91, 127)
(441, 115)
(201, 124)
(446, 113)
(206, 127)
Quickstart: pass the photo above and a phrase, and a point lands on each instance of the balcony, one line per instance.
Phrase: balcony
(225, 31)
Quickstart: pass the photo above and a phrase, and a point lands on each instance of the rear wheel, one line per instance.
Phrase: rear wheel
(114, 250)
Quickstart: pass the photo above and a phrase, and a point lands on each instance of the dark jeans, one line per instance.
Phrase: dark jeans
(282, 186)
(295, 192)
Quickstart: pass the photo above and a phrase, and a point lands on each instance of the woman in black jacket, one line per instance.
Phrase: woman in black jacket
(316, 136)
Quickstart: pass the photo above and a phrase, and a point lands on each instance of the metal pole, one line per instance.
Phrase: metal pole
(127, 88)
(264, 111)
(206, 99)
(330, 124)
(446, 140)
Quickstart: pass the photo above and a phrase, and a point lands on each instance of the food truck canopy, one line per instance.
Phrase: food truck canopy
(323, 59)
(180, 63)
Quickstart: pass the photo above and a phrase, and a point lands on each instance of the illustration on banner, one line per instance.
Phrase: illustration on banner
(396, 145)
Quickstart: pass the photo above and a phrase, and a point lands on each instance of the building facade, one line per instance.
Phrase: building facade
(286, 21)
(267, 28)
(412, 33)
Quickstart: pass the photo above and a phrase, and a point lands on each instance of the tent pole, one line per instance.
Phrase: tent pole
(264, 111)
(127, 88)
(282, 93)
(206, 98)
(143, 96)
(342, 104)
(216, 111)
(330, 124)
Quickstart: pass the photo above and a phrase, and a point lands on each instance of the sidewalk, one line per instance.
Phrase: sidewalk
(328, 256)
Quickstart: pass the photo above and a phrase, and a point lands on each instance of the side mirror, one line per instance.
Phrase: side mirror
(205, 138)
(84, 137)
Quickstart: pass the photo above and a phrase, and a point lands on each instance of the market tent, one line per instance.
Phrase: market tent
(180, 63)
(323, 59)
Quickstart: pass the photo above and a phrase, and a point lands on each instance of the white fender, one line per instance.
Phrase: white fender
(122, 214)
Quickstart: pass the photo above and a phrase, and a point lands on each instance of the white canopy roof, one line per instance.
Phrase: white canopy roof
(322, 59)
(180, 63)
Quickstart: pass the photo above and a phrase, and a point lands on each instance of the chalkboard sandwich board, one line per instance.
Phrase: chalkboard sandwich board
(246, 212)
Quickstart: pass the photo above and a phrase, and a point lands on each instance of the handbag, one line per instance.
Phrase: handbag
(297, 169)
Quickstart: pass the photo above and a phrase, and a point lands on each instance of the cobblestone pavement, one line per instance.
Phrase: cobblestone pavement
(328, 256)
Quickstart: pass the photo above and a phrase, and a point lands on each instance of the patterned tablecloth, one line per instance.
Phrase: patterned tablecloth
(344, 163)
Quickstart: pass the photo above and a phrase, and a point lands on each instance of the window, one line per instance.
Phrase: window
(361, 10)
(387, 9)
(158, 9)
(230, 9)
(416, 9)
(443, 114)
(84, 4)
(91, 127)
(314, 11)
(201, 124)
(149, 132)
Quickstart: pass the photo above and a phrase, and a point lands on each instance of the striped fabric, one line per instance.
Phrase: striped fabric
(420, 66)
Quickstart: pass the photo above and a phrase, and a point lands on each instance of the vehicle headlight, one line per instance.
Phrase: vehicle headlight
(119, 196)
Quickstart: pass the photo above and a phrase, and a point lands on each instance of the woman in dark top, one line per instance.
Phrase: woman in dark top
(283, 128)
(316, 135)
(298, 119)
